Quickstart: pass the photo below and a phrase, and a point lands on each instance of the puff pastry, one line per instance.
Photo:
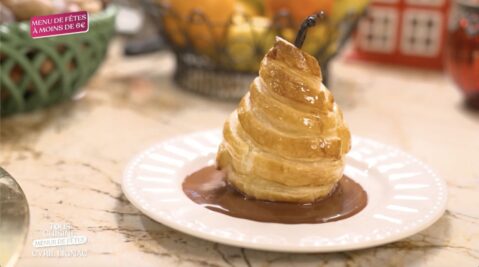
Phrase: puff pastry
(286, 141)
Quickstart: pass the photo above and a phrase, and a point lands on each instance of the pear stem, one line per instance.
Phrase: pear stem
(307, 23)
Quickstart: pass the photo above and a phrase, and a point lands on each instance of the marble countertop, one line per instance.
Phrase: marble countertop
(69, 160)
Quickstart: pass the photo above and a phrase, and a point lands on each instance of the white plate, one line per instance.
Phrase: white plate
(404, 197)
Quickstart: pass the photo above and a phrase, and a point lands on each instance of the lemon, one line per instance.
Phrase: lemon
(247, 41)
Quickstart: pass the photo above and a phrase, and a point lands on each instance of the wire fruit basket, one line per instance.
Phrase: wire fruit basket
(219, 59)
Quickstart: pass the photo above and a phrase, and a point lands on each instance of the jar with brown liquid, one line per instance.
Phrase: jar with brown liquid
(462, 52)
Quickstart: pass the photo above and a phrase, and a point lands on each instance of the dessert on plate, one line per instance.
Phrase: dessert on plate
(281, 159)
(287, 139)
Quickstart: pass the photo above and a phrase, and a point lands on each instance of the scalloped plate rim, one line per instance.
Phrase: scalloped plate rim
(275, 247)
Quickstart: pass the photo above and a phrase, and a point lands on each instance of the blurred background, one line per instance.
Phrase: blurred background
(218, 45)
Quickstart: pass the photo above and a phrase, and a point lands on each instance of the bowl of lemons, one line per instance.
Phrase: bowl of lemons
(219, 44)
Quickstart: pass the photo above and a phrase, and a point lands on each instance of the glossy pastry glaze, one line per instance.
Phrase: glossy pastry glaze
(287, 138)
(209, 188)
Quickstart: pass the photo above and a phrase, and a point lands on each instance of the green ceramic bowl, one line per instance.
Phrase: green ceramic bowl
(35, 73)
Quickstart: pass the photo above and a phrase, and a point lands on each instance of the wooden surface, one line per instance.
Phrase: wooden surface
(69, 160)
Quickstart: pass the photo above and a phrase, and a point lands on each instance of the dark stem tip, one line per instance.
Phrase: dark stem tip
(307, 23)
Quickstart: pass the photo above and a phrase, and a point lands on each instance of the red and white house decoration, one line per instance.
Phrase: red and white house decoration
(408, 32)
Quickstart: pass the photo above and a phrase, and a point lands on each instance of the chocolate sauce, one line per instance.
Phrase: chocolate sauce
(208, 188)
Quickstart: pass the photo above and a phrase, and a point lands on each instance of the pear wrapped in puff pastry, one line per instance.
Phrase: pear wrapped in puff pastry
(287, 139)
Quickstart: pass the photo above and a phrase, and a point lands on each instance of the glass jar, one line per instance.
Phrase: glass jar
(462, 49)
